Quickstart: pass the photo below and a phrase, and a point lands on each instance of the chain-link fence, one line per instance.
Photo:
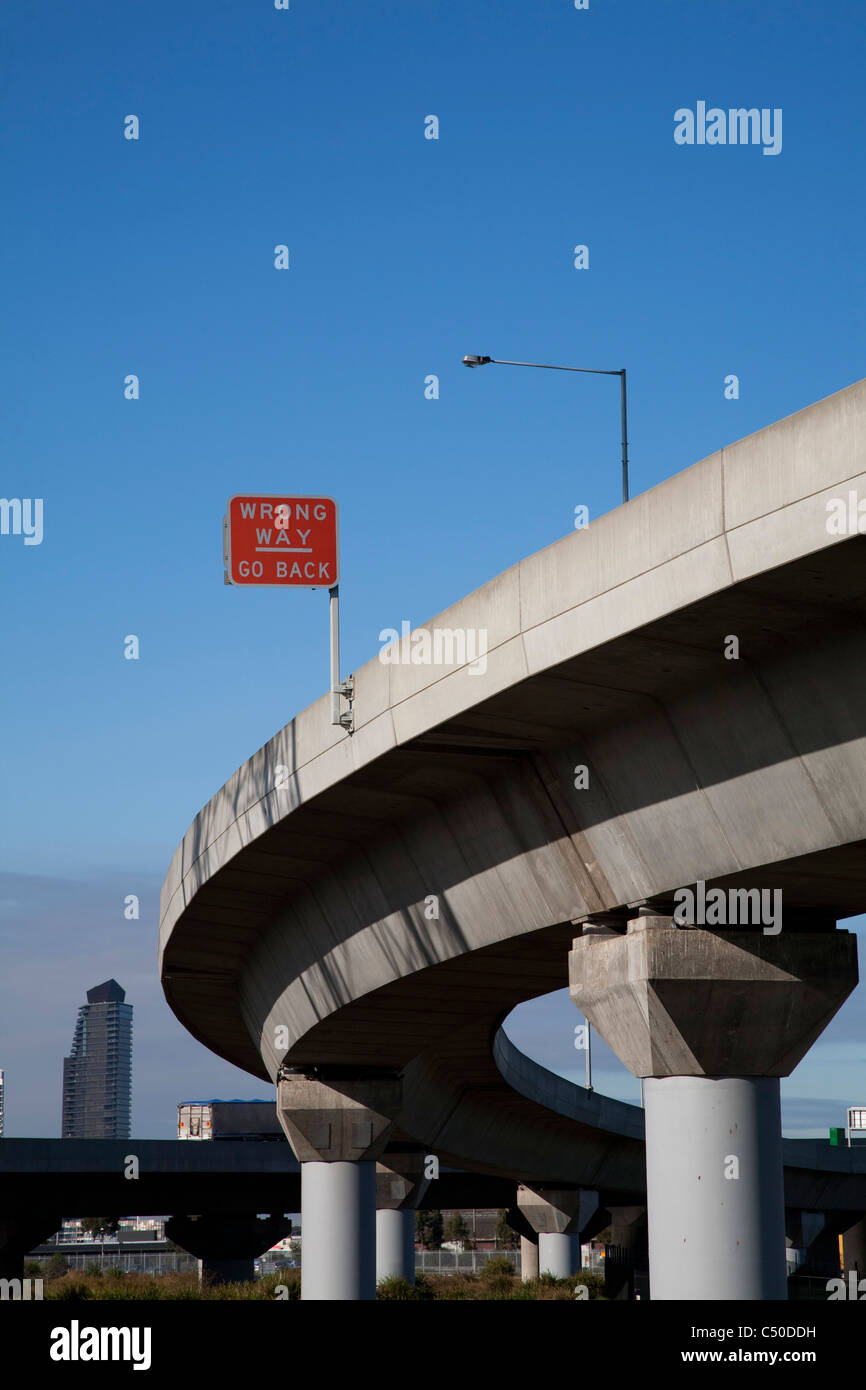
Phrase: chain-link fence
(150, 1262)
(471, 1261)
(461, 1261)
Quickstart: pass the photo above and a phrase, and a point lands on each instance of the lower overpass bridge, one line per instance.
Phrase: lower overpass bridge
(670, 699)
(230, 1200)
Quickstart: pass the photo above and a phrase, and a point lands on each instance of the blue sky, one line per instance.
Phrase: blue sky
(156, 257)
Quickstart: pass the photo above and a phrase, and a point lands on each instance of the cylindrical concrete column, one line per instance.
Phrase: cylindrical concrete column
(395, 1245)
(715, 1199)
(555, 1254)
(626, 1252)
(216, 1271)
(854, 1249)
(338, 1230)
(528, 1258)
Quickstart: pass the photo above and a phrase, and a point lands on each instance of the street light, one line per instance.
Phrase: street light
(470, 361)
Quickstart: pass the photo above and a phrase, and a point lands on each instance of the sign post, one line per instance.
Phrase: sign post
(276, 541)
(855, 1121)
(339, 688)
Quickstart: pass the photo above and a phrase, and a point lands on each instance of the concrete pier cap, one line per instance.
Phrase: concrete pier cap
(226, 1246)
(400, 1181)
(553, 1211)
(675, 1001)
(337, 1115)
(557, 1216)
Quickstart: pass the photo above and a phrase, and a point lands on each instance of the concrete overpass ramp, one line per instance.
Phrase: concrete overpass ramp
(672, 695)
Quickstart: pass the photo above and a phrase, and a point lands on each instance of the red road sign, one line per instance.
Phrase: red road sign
(278, 540)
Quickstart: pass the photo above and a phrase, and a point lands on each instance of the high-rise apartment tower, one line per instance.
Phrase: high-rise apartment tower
(97, 1076)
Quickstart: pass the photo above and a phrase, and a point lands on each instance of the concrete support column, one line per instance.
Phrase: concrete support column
(711, 1020)
(400, 1185)
(854, 1249)
(817, 1233)
(20, 1233)
(556, 1254)
(627, 1253)
(714, 1186)
(395, 1244)
(558, 1216)
(338, 1231)
(528, 1258)
(226, 1271)
(338, 1122)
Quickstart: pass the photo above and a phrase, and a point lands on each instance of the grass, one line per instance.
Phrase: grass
(115, 1285)
(495, 1283)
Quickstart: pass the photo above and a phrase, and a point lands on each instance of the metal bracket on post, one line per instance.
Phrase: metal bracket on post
(339, 689)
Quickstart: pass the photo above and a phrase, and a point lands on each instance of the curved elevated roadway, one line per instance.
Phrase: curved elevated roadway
(294, 924)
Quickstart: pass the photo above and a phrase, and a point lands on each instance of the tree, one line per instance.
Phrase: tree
(428, 1229)
(506, 1238)
(101, 1226)
(457, 1230)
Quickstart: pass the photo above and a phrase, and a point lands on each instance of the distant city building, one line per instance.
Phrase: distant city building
(2, 1100)
(72, 1228)
(97, 1076)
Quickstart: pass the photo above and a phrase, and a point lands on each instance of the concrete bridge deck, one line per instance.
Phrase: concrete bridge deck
(297, 911)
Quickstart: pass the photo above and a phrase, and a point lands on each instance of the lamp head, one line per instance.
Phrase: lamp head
(476, 361)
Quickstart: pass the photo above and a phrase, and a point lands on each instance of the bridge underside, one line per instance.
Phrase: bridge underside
(746, 772)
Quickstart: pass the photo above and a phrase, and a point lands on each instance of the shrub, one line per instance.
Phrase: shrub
(592, 1279)
(395, 1288)
(497, 1268)
(56, 1266)
(289, 1279)
(71, 1290)
(560, 1291)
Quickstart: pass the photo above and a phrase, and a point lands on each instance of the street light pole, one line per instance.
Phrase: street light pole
(624, 437)
(473, 361)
